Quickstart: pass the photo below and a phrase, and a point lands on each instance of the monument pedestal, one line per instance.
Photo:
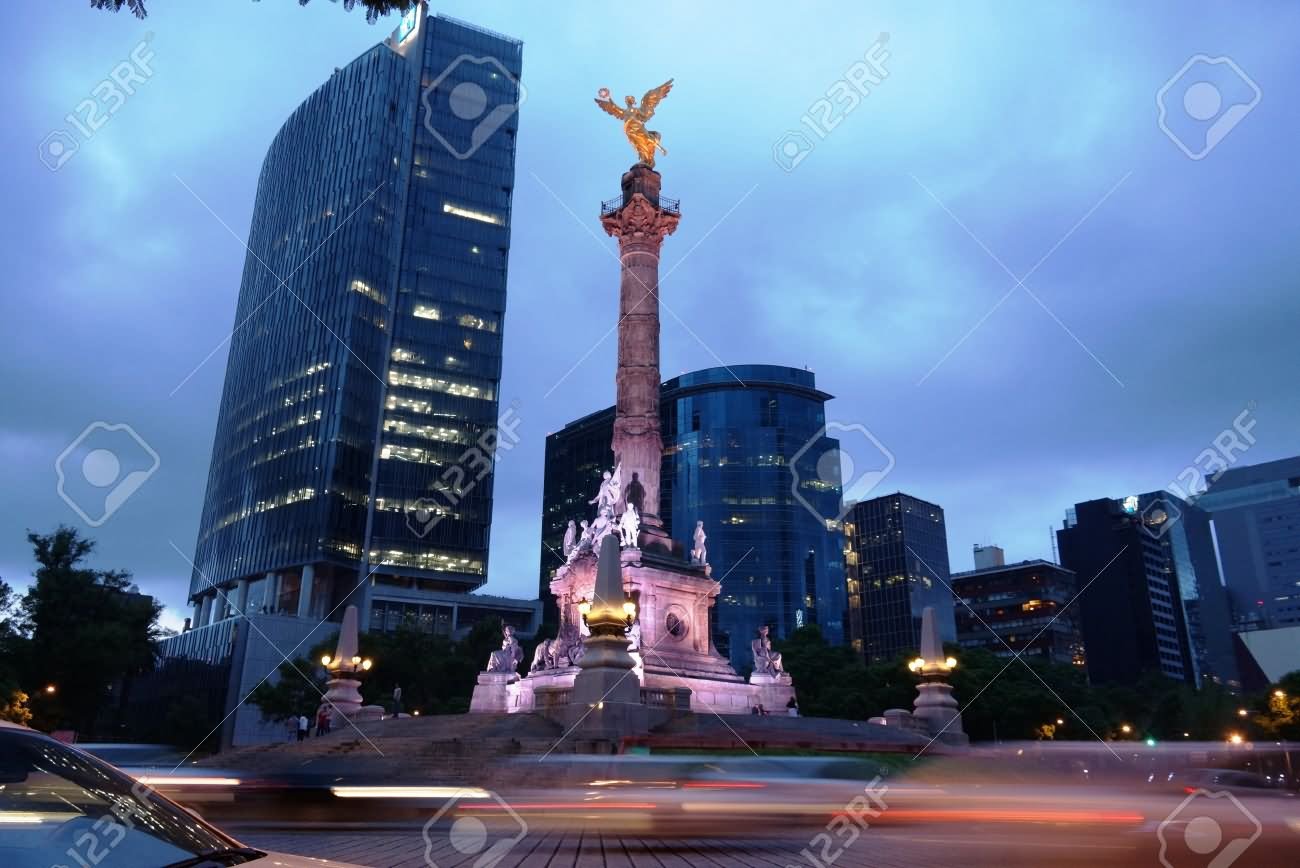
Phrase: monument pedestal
(936, 707)
(773, 692)
(492, 692)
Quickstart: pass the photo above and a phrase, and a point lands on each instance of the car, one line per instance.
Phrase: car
(1239, 783)
(61, 806)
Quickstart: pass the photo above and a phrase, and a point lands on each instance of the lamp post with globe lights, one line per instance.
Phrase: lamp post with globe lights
(347, 668)
(934, 700)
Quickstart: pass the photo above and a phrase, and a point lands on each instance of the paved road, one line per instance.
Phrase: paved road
(877, 848)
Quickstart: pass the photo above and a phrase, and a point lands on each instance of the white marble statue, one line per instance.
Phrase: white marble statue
(584, 540)
(570, 539)
(634, 636)
(766, 661)
(563, 651)
(510, 655)
(601, 527)
(699, 554)
(629, 526)
(611, 488)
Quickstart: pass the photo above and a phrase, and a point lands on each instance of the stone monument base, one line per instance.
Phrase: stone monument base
(545, 691)
(492, 692)
(773, 692)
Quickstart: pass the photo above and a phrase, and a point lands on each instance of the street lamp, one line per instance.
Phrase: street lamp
(1279, 694)
(1235, 738)
(1126, 729)
(920, 664)
(351, 666)
(1060, 721)
(50, 690)
(1241, 712)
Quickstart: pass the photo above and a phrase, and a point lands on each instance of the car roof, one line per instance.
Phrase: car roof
(9, 724)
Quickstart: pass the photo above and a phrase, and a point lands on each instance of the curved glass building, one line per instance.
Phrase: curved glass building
(731, 438)
(352, 453)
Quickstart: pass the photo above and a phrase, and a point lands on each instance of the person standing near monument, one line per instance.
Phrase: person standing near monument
(397, 700)
(303, 726)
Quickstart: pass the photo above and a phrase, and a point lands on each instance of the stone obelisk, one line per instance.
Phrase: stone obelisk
(934, 700)
(606, 693)
(640, 224)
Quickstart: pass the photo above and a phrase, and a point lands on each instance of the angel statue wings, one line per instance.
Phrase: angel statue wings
(634, 118)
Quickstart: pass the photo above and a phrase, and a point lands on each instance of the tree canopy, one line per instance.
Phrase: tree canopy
(1024, 700)
(375, 9)
(77, 632)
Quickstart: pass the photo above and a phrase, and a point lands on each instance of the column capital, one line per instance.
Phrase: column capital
(639, 219)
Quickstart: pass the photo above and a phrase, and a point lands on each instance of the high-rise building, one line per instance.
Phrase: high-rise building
(900, 544)
(989, 556)
(730, 435)
(352, 456)
(1256, 515)
(1022, 608)
(1151, 598)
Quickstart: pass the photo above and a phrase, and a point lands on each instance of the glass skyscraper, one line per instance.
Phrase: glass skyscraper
(361, 400)
(1256, 514)
(1154, 600)
(900, 546)
(730, 436)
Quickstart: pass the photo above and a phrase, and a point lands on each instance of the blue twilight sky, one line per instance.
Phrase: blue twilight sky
(1003, 133)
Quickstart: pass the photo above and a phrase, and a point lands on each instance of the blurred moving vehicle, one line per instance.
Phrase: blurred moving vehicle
(1237, 782)
(62, 806)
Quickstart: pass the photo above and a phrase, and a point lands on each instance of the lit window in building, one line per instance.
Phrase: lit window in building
(471, 214)
(437, 384)
(368, 291)
(424, 311)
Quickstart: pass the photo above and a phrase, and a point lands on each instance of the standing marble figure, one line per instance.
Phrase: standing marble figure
(629, 526)
(699, 554)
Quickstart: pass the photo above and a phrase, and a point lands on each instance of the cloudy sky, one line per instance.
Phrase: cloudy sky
(1007, 140)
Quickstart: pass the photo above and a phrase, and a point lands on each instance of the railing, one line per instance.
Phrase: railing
(668, 206)
(546, 699)
(670, 698)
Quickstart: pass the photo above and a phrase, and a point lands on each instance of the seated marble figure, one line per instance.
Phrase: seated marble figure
(766, 661)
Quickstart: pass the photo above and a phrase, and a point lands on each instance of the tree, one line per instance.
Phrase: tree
(13, 706)
(1282, 719)
(296, 690)
(13, 701)
(375, 9)
(84, 629)
(829, 678)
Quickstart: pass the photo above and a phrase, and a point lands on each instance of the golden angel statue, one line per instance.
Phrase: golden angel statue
(634, 118)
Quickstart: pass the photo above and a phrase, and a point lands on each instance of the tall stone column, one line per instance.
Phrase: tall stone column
(640, 224)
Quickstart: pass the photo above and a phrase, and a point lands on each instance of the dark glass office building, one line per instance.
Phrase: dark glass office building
(1256, 515)
(730, 437)
(1022, 608)
(1151, 595)
(900, 544)
(366, 354)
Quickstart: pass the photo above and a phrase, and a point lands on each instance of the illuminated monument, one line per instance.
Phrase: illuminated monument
(655, 626)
